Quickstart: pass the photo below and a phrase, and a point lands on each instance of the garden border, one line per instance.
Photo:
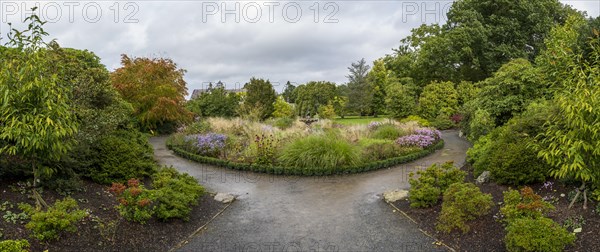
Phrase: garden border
(278, 170)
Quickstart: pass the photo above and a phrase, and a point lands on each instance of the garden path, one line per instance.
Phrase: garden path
(289, 213)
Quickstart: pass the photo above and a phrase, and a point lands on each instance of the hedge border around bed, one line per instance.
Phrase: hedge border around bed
(278, 170)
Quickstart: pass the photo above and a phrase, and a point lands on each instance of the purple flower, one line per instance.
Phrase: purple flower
(374, 125)
(208, 144)
(416, 140)
(436, 134)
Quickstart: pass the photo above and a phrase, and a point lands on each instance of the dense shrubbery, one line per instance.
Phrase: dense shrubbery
(135, 201)
(121, 156)
(425, 191)
(540, 234)
(462, 202)
(62, 216)
(175, 194)
(14, 246)
(524, 204)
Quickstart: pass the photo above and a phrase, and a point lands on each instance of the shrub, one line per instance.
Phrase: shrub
(524, 204)
(421, 141)
(387, 131)
(462, 202)
(480, 125)
(422, 192)
(327, 111)
(175, 193)
(327, 151)
(14, 246)
(540, 234)
(436, 134)
(282, 123)
(210, 144)
(385, 150)
(135, 202)
(62, 216)
(123, 155)
(443, 122)
(414, 118)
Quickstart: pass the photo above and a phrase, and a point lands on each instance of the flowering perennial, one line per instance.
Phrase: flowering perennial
(416, 140)
(436, 134)
(208, 144)
(374, 125)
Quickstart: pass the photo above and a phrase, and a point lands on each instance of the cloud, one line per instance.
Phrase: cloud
(281, 45)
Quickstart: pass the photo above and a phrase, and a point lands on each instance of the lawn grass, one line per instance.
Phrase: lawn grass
(357, 120)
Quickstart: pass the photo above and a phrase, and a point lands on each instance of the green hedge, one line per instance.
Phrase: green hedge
(278, 170)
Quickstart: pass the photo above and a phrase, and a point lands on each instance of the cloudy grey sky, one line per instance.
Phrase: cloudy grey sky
(232, 41)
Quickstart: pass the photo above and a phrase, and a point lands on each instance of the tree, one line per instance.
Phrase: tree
(155, 88)
(288, 93)
(214, 103)
(360, 92)
(438, 98)
(283, 109)
(36, 120)
(510, 90)
(312, 95)
(571, 141)
(378, 79)
(260, 95)
(401, 101)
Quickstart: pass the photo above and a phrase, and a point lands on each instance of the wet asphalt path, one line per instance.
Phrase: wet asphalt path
(289, 213)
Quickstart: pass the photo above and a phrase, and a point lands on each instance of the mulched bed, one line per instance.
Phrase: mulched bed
(126, 236)
(487, 233)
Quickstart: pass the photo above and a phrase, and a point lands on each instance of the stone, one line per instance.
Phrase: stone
(395, 195)
(483, 178)
(224, 198)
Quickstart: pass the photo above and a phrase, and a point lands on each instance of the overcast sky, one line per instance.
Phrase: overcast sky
(295, 41)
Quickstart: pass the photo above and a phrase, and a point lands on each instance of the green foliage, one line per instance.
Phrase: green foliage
(426, 190)
(388, 131)
(265, 149)
(62, 216)
(135, 201)
(383, 149)
(281, 123)
(175, 193)
(466, 92)
(480, 125)
(312, 95)
(198, 127)
(283, 109)
(415, 118)
(37, 120)
(378, 80)
(360, 93)
(328, 151)
(442, 122)
(438, 98)
(571, 139)
(289, 93)
(327, 111)
(155, 88)
(540, 234)
(523, 204)
(510, 90)
(400, 100)
(260, 96)
(216, 102)
(121, 156)
(462, 202)
(14, 245)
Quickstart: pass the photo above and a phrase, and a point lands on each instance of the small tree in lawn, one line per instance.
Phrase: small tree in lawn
(35, 116)
(571, 142)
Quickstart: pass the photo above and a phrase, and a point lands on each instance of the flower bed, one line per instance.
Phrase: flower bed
(324, 149)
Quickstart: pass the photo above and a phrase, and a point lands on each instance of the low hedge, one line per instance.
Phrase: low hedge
(278, 170)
